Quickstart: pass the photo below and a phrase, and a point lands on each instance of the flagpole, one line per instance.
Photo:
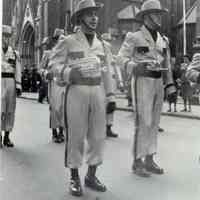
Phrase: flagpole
(184, 30)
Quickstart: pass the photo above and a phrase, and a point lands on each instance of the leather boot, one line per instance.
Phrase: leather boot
(139, 169)
(6, 141)
(151, 166)
(55, 136)
(161, 129)
(75, 187)
(109, 132)
(61, 136)
(92, 181)
(1, 140)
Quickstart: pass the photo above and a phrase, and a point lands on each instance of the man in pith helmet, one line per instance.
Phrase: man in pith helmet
(10, 86)
(149, 54)
(80, 60)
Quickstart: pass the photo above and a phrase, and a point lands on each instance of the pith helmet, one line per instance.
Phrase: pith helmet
(58, 32)
(82, 6)
(148, 7)
(7, 30)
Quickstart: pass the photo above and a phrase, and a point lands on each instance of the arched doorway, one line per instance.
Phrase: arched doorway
(27, 49)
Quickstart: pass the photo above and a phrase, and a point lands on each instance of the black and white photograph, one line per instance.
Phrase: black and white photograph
(100, 100)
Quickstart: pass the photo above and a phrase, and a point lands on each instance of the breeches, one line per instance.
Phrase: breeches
(56, 100)
(8, 103)
(84, 119)
(148, 102)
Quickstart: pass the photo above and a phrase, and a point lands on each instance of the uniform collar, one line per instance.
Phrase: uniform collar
(82, 38)
(147, 35)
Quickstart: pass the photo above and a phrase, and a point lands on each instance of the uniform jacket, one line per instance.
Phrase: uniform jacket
(74, 47)
(140, 46)
(10, 68)
(193, 71)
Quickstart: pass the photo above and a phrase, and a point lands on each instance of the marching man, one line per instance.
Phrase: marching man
(55, 93)
(80, 60)
(116, 81)
(149, 55)
(10, 86)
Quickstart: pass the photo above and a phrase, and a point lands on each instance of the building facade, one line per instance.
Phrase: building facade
(34, 20)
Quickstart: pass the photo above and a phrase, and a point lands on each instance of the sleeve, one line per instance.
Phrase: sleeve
(58, 61)
(18, 73)
(126, 51)
(168, 75)
(107, 75)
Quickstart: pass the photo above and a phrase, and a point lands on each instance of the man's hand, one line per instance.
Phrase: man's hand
(18, 92)
(49, 76)
(111, 107)
(121, 86)
(75, 75)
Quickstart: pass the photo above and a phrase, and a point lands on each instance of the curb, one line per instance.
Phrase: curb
(195, 117)
(28, 98)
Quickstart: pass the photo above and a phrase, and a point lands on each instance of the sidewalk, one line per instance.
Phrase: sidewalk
(122, 105)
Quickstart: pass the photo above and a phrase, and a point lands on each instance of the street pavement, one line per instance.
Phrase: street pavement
(34, 169)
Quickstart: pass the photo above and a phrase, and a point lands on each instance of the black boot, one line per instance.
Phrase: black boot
(139, 169)
(1, 145)
(61, 135)
(55, 136)
(151, 166)
(160, 129)
(6, 141)
(92, 181)
(109, 132)
(75, 187)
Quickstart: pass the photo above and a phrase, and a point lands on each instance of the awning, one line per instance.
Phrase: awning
(128, 12)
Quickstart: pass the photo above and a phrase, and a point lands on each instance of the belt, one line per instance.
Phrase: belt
(7, 75)
(144, 72)
(89, 81)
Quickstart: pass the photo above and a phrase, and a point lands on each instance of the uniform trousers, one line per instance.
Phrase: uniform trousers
(148, 104)
(85, 119)
(56, 100)
(8, 103)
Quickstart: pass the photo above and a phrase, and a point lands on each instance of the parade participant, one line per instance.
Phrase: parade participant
(43, 89)
(80, 60)
(116, 80)
(149, 55)
(193, 70)
(55, 92)
(56, 97)
(10, 85)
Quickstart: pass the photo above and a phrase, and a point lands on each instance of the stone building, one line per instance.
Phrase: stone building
(34, 20)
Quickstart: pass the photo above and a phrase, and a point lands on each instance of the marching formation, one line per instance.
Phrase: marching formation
(82, 76)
